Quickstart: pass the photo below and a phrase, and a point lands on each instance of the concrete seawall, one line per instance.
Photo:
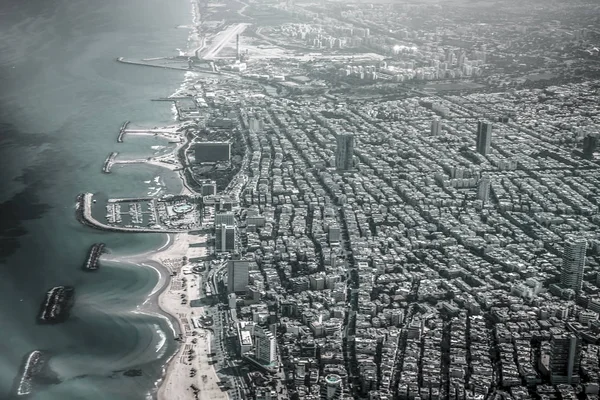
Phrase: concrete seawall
(122, 132)
(84, 215)
(108, 163)
(146, 64)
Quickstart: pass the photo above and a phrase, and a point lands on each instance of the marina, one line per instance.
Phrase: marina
(83, 212)
(172, 133)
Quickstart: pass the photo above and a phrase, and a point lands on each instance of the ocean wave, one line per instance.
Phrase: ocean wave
(155, 193)
(174, 112)
(163, 338)
(166, 243)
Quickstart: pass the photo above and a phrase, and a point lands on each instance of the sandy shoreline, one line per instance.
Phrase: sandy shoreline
(177, 381)
(165, 301)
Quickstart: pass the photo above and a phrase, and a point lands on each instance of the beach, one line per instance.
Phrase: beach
(175, 280)
(177, 383)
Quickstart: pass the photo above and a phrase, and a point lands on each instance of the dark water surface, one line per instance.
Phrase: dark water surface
(62, 99)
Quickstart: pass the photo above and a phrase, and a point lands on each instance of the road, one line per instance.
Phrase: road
(221, 39)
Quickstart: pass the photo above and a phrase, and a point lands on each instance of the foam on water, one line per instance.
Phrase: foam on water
(162, 336)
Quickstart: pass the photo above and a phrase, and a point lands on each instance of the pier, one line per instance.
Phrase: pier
(93, 258)
(84, 215)
(108, 163)
(122, 131)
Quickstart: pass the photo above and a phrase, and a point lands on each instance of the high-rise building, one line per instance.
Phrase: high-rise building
(483, 189)
(571, 274)
(344, 154)
(332, 390)
(462, 58)
(334, 234)
(237, 276)
(484, 137)
(225, 239)
(265, 350)
(436, 127)
(449, 56)
(224, 219)
(565, 358)
(590, 143)
(256, 125)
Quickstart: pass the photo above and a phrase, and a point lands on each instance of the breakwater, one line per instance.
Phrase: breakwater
(57, 304)
(108, 163)
(33, 365)
(93, 258)
(147, 64)
(83, 213)
(173, 98)
(122, 131)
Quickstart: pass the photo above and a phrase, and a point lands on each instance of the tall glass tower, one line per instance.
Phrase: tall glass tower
(571, 275)
(344, 152)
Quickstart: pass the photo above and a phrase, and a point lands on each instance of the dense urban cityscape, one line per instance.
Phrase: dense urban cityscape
(391, 200)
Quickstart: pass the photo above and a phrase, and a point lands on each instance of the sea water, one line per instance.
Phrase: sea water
(63, 98)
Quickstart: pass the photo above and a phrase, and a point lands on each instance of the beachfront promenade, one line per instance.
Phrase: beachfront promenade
(84, 208)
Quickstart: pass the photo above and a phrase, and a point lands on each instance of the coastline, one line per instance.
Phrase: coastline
(154, 304)
(165, 301)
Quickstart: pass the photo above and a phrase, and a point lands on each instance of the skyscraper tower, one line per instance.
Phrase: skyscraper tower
(590, 143)
(224, 219)
(483, 189)
(462, 57)
(484, 137)
(237, 276)
(571, 275)
(265, 349)
(565, 358)
(225, 238)
(436, 127)
(344, 153)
